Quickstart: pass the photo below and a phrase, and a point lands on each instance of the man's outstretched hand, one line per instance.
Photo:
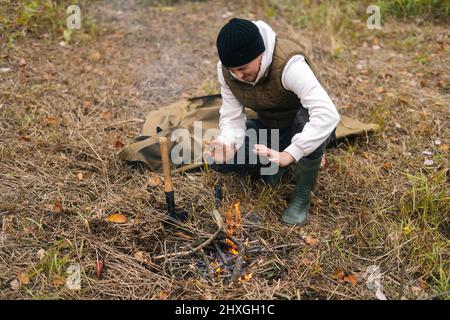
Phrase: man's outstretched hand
(219, 151)
(283, 159)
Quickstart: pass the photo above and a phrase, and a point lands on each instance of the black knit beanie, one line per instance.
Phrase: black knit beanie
(239, 42)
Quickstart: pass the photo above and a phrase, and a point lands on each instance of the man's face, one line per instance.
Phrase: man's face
(248, 72)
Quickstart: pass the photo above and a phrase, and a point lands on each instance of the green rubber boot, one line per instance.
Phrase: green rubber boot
(306, 172)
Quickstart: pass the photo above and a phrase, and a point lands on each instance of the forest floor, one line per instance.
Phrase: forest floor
(66, 109)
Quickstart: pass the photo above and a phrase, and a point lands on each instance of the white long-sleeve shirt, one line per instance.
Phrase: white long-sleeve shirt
(297, 77)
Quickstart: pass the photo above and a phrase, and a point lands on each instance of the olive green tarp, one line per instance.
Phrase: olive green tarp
(182, 115)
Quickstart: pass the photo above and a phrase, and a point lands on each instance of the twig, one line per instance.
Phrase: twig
(124, 122)
(239, 261)
(188, 252)
(219, 222)
(221, 254)
(90, 145)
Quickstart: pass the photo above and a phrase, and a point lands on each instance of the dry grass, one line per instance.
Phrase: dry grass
(64, 111)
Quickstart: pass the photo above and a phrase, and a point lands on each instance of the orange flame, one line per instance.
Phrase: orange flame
(246, 277)
(233, 223)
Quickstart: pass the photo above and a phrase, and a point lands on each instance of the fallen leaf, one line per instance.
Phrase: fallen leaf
(338, 274)
(387, 166)
(47, 76)
(117, 218)
(311, 241)
(24, 279)
(41, 254)
(422, 284)
(118, 144)
(182, 235)
(154, 180)
(351, 279)
(51, 120)
(163, 295)
(96, 56)
(80, 176)
(24, 138)
(87, 104)
(15, 285)
(107, 115)
(99, 268)
(56, 207)
(58, 281)
(445, 147)
(22, 62)
(379, 90)
(139, 255)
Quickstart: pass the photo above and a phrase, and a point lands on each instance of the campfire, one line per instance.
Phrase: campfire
(223, 254)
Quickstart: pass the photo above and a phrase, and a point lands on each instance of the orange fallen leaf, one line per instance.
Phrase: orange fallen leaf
(87, 104)
(387, 166)
(118, 144)
(51, 120)
(24, 138)
(154, 180)
(140, 255)
(24, 278)
(445, 147)
(163, 295)
(338, 274)
(58, 281)
(182, 235)
(117, 218)
(96, 56)
(107, 115)
(311, 241)
(351, 279)
(55, 207)
(99, 268)
(422, 284)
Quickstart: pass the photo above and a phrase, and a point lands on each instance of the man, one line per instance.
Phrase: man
(273, 77)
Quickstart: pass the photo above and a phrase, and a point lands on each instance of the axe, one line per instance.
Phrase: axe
(168, 186)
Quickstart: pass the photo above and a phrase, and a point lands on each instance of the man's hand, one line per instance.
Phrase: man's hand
(283, 159)
(219, 151)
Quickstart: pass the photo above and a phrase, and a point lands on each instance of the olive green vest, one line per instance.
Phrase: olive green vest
(276, 107)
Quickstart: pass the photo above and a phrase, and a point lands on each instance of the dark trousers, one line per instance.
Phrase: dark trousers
(285, 137)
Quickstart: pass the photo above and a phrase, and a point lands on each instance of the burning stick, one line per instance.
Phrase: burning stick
(219, 222)
(221, 254)
(237, 271)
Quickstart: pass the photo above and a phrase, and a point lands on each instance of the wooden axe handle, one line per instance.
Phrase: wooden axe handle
(164, 147)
